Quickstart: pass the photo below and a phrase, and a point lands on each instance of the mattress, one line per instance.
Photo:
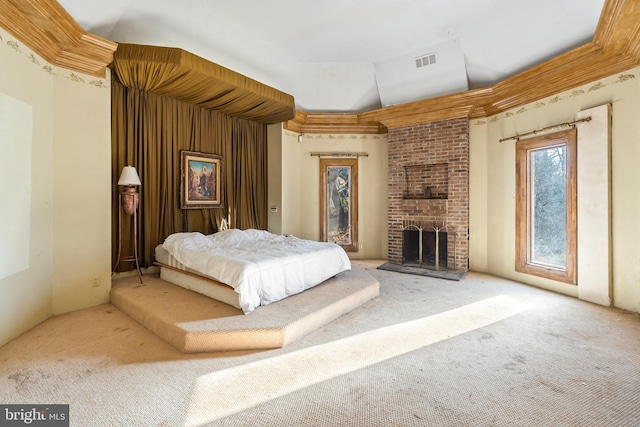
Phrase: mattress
(260, 266)
(173, 271)
(164, 257)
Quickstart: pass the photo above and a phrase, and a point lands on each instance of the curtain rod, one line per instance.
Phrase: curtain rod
(552, 127)
(340, 154)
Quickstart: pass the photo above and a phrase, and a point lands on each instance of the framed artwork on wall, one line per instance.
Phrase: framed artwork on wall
(200, 180)
(339, 202)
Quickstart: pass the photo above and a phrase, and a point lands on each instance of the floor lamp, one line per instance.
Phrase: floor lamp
(128, 202)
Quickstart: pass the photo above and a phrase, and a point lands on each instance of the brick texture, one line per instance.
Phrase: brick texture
(434, 156)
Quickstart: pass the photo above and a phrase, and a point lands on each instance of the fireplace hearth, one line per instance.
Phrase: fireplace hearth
(418, 271)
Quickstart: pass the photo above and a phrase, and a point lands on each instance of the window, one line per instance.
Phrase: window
(546, 206)
(339, 202)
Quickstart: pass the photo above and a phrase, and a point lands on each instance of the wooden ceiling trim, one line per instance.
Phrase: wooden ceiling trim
(442, 103)
(633, 47)
(46, 28)
(92, 54)
(324, 123)
(612, 12)
(545, 80)
(615, 49)
(625, 35)
(428, 117)
(615, 31)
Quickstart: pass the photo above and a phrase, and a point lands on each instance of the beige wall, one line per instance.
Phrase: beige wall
(300, 197)
(68, 243)
(492, 208)
(82, 192)
(274, 184)
(478, 197)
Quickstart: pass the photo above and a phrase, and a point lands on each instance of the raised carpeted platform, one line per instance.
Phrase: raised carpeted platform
(194, 323)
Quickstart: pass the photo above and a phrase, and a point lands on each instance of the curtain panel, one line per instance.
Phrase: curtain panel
(149, 131)
(189, 78)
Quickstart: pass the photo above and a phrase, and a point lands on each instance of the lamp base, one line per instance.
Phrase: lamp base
(129, 200)
(129, 204)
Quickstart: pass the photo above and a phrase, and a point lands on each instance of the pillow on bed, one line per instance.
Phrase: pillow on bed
(232, 236)
(179, 241)
(235, 237)
(253, 234)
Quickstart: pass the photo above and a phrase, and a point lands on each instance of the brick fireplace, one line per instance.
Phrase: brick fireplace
(429, 193)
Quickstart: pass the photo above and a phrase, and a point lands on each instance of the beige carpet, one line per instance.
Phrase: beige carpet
(482, 351)
(194, 323)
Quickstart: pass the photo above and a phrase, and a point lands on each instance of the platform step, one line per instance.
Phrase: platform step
(194, 323)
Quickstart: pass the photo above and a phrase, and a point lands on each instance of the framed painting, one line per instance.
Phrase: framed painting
(339, 202)
(200, 180)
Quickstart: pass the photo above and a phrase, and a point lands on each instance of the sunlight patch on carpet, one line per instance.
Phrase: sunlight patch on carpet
(223, 393)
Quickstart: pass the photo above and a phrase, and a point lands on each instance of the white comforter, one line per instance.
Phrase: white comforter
(262, 267)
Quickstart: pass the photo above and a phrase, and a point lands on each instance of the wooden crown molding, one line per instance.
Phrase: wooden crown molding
(333, 123)
(439, 108)
(46, 28)
(615, 48)
(427, 117)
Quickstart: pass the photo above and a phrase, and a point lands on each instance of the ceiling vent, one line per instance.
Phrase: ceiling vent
(441, 70)
(423, 61)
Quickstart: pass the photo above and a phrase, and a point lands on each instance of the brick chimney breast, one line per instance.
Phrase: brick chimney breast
(429, 184)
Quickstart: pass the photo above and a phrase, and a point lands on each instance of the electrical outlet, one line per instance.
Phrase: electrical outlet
(95, 282)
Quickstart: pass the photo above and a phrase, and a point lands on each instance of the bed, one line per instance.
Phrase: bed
(248, 268)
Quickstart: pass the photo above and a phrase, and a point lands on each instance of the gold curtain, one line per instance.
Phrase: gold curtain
(148, 132)
(189, 78)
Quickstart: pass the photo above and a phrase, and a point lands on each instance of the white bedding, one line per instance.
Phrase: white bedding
(262, 267)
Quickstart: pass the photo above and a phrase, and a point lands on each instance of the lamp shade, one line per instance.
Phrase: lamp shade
(129, 176)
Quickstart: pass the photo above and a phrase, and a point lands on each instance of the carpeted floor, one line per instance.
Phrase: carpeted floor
(481, 351)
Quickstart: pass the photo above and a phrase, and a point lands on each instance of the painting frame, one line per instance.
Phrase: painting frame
(201, 179)
(342, 231)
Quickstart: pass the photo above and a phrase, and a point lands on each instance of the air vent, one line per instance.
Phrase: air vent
(423, 61)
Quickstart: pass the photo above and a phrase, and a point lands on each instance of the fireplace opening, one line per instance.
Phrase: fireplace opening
(411, 249)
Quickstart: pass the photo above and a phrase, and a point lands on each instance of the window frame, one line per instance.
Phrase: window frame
(524, 264)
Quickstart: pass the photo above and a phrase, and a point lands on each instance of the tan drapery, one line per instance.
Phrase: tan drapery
(148, 132)
(189, 78)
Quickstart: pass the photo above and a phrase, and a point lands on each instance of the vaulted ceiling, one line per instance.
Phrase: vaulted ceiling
(355, 66)
(354, 55)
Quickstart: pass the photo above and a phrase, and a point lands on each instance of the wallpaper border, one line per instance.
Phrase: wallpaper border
(572, 93)
(7, 41)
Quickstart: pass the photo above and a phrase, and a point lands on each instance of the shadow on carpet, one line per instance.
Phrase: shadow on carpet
(440, 274)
